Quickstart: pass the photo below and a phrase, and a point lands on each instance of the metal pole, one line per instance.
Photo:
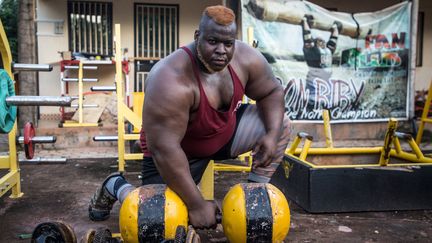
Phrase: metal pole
(84, 67)
(39, 100)
(106, 138)
(103, 88)
(31, 67)
(39, 139)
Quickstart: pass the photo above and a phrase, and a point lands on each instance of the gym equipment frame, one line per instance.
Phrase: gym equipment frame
(356, 179)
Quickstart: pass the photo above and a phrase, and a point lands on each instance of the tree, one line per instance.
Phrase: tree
(27, 81)
(9, 18)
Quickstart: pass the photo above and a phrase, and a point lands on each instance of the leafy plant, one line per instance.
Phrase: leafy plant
(9, 18)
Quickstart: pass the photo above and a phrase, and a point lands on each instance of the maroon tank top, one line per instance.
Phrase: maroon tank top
(210, 129)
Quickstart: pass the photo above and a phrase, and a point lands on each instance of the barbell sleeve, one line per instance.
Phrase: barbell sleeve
(19, 100)
(31, 67)
(84, 67)
(76, 79)
(103, 88)
(85, 106)
(52, 160)
(105, 138)
(39, 139)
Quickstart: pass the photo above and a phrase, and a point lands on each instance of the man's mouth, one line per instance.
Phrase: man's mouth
(219, 62)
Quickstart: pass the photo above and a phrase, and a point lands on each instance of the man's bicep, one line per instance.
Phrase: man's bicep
(165, 118)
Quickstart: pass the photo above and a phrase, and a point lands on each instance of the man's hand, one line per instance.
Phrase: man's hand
(309, 19)
(203, 216)
(264, 151)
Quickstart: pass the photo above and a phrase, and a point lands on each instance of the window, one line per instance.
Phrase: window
(90, 27)
(156, 30)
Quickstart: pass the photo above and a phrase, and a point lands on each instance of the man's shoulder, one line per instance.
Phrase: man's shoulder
(174, 70)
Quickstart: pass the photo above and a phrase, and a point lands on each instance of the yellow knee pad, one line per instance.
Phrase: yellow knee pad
(151, 213)
(255, 212)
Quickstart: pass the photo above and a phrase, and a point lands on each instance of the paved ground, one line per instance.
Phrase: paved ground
(62, 192)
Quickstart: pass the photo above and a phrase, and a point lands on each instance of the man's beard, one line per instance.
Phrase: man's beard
(201, 59)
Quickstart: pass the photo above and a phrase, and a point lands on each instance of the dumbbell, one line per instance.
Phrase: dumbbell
(30, 139)
(251, 212)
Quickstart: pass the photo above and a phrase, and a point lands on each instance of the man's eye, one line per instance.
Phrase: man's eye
(212, 42)
(228, 44)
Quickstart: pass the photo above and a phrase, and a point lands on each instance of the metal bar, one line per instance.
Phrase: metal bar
(388, 140)
(31, 67)
(159, 31)
(73, 27)
(327, 128)
(39, 100)
(52, 160)
(77, 80)
(415, 148)
(84, 67)
(305, 150)
(14, 169)
(106, 24)
(85, 106)
(397, 145)
(294, 145)
(132, 136)
(424, 116)
(175, 29)
(80, 93)
(103, 88)
(39, 139)
(153, 42)
(120, 112)
(329, 151)
(148, 34)
(105, 138)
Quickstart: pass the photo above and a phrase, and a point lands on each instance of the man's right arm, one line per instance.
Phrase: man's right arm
(165, 118)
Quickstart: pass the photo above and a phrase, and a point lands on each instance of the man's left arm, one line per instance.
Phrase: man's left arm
(266, 90)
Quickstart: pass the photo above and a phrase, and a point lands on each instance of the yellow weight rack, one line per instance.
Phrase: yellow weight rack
(425, 116)
(11, 180)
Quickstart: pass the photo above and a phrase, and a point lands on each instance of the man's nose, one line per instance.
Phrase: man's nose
(220, 49)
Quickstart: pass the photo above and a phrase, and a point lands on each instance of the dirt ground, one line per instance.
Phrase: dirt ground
(62, 192)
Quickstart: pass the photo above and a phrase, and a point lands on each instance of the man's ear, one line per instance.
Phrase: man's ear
(196, 34)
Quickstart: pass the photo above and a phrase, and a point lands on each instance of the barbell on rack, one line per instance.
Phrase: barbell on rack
(16, 67)
(76, 79)
(9, 101)
(18, 100)
(105, 138)
(103, 88)
(30, 139)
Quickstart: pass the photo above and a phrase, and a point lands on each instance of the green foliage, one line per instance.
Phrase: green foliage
(9, 18)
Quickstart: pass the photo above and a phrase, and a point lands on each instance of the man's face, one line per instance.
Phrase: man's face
(320, 43)
(215, 45)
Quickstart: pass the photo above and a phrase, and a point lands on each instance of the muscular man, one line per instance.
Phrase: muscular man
(193, 113)
(318, 55)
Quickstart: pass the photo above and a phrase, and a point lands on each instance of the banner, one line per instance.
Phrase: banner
(354, 65)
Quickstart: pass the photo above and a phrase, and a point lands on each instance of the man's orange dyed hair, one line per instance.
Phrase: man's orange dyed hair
(220, 14)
